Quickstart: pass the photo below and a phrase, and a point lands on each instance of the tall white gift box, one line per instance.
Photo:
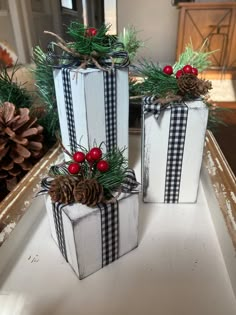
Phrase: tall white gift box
(173, 138)
(93, 105)
(91, 238)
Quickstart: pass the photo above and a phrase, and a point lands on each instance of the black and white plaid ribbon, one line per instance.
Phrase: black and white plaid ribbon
(109, 232)
(110, 108)
(177, 131)
(69, 108)
(109, 219)
(110, 100)
(57, 216)
(178, 124)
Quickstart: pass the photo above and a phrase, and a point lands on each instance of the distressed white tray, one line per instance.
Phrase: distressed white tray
(179, 267)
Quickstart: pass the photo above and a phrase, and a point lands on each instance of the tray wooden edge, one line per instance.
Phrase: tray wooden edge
(17, 202)
(223, 182)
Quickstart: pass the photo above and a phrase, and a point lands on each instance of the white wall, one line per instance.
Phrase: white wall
(157, 20)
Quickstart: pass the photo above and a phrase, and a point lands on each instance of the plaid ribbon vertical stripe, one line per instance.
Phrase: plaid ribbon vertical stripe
(57, 215)
(110, 108)
(69, 108)
(110, 232)
(178, 124)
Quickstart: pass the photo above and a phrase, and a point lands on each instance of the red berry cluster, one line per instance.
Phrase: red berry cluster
(91, 31)
(92, 157)
(186, 69)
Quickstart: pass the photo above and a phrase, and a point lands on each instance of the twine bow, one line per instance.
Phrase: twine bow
(118, 58)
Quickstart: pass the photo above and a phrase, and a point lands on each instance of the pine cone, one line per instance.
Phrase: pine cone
(61, 189)
(20, 142)
(190, 84)
(204, 87)
(88, 192)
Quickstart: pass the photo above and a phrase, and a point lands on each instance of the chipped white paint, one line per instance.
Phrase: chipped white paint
(6, 231)
(230, 213)
(211, 165)
(219, 165)
(232, 194)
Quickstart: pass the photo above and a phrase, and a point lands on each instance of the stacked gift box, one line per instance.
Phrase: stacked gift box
(92, 197)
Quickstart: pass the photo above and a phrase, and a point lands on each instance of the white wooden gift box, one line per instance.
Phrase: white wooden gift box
(87, 93)
(155, 137)
(82, 231)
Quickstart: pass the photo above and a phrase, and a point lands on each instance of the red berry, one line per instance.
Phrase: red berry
(168, 70)
(178, 74)
(103, 166)
(79, 157)
(89, 157)
(74, 168)
(96, 153)
(91, 31)
(195, 71)
(187, 69)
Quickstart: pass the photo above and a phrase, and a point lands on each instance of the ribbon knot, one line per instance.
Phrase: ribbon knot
(149, 106)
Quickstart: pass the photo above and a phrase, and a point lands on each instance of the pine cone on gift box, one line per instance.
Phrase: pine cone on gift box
(88, 192)
(20, 143)
(190, 84)
(61, 189)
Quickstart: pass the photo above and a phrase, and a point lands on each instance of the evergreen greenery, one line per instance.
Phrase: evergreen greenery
(43, 73)
(11, 91)
(198, 59)
(156, 82)
(110, 180)
(130, 41)
(101, 43)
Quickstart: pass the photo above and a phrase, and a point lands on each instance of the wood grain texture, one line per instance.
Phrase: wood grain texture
(214, 22)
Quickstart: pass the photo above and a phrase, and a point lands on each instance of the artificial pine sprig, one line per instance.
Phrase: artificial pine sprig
(196, 58)
(107, 170)
(113, 178)
(87, 43)
(156, 82)
(129, 38)
(43, 73)
(11, 91)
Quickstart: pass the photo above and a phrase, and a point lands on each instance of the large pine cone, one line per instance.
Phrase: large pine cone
(20, 143)
(190, 84)
(88, 192)
(61, 189)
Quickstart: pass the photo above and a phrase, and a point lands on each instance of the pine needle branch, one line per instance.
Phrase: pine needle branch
(11, 90)
(129, 38)
(196, 58)
(156, 82)
(43, 73)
